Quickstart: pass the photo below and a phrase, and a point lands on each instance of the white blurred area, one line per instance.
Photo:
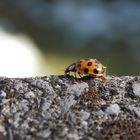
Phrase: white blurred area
(18, 56)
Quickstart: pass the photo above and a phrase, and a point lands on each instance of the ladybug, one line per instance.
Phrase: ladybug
(87, 67)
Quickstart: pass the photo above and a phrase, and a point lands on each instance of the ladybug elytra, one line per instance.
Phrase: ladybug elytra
(87, 66)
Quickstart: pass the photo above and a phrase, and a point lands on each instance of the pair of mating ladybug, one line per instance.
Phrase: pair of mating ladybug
(87, 66)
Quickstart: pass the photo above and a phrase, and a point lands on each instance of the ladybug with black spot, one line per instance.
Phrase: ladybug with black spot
(88, 67)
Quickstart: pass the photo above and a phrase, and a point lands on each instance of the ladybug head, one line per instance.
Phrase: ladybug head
(100, 70)
(70, 68)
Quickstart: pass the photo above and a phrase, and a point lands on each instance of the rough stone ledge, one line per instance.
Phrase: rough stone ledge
(65, 108)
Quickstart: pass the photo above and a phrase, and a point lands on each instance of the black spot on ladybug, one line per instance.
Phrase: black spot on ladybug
(95, 71)
(86, 70)
(79, 65)
(89, 64)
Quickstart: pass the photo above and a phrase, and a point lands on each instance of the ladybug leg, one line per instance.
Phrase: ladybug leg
(79, 75)
(75, 75)
(68, 73)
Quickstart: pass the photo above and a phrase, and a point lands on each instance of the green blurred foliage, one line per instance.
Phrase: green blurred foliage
(62, 46)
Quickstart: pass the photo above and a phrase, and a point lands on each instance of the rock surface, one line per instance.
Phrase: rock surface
(65, 108)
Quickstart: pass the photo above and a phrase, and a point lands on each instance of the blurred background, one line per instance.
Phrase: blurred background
(42, 37)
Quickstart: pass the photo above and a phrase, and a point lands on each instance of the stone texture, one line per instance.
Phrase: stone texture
(62, 107)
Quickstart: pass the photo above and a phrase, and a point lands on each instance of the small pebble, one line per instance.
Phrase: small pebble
(3, 94)
(136, 89)
(29, 95)
(113, 109)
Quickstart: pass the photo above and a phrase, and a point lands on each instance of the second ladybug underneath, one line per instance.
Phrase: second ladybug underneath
(87, 66)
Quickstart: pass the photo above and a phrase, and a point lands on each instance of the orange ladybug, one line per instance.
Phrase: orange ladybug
(87, 66)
